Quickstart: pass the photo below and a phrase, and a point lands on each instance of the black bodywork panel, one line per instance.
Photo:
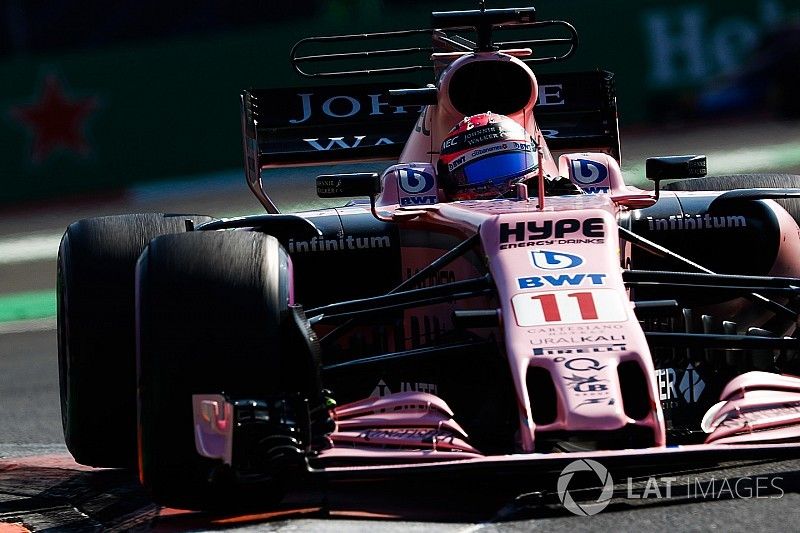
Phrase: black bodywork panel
(735, 238)
(356, 256)
(740, 238)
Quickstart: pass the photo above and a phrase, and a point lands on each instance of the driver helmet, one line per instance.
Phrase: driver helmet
(484, 156)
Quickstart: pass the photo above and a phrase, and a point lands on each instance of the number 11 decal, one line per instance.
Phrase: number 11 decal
(567, 307)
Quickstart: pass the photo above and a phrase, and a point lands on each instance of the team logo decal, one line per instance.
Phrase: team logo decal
(561, 280)
(415, 181)
(588, 172)
(548, 260)
(544, 229)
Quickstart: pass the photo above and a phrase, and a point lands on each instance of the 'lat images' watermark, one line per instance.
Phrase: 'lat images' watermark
(660, 487)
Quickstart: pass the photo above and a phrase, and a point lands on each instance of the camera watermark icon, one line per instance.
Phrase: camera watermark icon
(652, 487)
(585, 508)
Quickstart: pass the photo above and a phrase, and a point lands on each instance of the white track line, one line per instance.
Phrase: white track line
(42, 246)
(29, 248)
(27, 326)
(10, 450)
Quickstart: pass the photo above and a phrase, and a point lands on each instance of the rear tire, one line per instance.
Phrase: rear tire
(96, 334)
(212, 315)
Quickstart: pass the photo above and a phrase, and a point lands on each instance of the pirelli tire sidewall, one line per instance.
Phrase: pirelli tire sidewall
(96, 342)
(209, 309)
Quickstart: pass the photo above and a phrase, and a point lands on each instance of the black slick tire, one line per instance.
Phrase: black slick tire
(96, 334)
(212, 315)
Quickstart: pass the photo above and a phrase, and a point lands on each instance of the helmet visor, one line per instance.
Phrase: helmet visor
(498, 167)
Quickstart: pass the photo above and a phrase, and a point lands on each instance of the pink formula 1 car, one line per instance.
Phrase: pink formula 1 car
(503, 302)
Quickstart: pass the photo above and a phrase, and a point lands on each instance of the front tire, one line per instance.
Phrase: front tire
(212, 313)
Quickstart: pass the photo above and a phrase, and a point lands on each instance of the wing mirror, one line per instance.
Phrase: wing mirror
(349, 185)
(674, 167)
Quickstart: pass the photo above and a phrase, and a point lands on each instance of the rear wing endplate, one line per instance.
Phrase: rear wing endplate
(321, 125)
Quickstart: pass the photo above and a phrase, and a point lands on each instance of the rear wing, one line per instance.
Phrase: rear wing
(324, 124)
(352, 123)
(577, 111)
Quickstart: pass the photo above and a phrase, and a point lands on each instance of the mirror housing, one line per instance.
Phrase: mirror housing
(675, 167)
(348, 185)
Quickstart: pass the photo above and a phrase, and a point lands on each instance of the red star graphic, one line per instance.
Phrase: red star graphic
(56, 121)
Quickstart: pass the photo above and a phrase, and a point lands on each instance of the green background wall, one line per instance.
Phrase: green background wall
(168, 107)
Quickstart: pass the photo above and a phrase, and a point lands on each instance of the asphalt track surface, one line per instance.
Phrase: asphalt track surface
(41, 488)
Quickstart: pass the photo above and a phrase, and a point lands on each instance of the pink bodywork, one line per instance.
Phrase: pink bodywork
(563, 307)
(564, 339)
(534, 318)
(414, 421)
(756, 407)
